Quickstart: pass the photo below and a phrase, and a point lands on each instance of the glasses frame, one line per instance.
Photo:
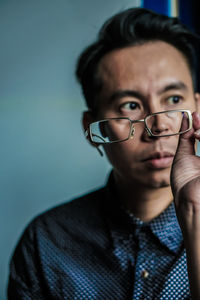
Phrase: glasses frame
(88, 132)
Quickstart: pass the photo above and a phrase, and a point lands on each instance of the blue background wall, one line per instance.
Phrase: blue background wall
(44, 158)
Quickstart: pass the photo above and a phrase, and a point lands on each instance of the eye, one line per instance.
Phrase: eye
(174, 100)
(130, 106)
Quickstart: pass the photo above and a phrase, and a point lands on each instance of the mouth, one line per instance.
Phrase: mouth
(159, 160)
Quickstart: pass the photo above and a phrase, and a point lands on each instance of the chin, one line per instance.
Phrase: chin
(157, 183)
(159, 179)
(154, 180)
(141, 178)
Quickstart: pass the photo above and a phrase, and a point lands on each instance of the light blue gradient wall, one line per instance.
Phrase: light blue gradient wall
(44, 158)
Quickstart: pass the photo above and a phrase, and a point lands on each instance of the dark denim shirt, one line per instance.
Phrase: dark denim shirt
(91, 248)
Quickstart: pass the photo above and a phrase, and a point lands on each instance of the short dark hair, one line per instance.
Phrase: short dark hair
(133, 26)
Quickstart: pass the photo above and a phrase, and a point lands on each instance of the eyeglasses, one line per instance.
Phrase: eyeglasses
(159, 124)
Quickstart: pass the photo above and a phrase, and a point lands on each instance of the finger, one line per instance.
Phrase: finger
(187, 140)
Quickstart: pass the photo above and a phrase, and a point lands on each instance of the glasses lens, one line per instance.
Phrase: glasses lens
(109, 131)
(168, 123)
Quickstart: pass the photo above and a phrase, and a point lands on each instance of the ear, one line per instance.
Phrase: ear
(197, 100)
(87, 118)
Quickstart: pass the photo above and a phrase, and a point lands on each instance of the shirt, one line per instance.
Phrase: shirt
(91, 248)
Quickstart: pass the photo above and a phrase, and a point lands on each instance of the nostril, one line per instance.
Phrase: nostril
(159, 130)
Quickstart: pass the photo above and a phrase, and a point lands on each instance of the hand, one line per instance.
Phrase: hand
(185, 182)
(185, 178)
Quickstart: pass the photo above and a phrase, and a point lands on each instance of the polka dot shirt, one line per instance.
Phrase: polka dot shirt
(91, 248)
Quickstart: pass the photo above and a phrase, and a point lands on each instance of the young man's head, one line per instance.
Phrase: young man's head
(142, 63)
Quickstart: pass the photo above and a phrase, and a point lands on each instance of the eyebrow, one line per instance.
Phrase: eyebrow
(179, 85)
(126, 93)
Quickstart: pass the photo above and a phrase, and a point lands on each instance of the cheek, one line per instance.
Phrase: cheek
(191, 104)
(120, 153)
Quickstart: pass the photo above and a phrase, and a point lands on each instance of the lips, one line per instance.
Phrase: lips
(159, 160)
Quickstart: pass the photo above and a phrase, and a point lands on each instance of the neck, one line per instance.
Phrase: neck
(144, 202)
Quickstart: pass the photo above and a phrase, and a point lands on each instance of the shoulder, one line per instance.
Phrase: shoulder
(70, 220)
(54, 239)
(76, 210)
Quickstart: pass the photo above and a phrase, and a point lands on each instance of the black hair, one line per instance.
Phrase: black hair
(133, 26)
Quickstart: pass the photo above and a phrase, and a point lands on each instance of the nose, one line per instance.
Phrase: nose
(159, 124)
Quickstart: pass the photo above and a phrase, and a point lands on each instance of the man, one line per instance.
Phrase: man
(124, 241)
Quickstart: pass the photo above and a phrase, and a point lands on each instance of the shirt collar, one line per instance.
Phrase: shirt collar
(165, 227)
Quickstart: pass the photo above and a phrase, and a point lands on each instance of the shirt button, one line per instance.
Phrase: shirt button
(144, 273)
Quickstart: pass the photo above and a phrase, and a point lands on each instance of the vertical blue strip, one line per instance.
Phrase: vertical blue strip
(169, 13)
(162, 7)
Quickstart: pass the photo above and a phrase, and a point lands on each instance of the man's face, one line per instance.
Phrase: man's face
(140, 80)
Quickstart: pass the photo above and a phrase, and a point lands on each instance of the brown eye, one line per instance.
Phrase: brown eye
(174, 100)
(130, 106)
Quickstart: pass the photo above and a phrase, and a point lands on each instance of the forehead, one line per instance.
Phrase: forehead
(146, 67)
